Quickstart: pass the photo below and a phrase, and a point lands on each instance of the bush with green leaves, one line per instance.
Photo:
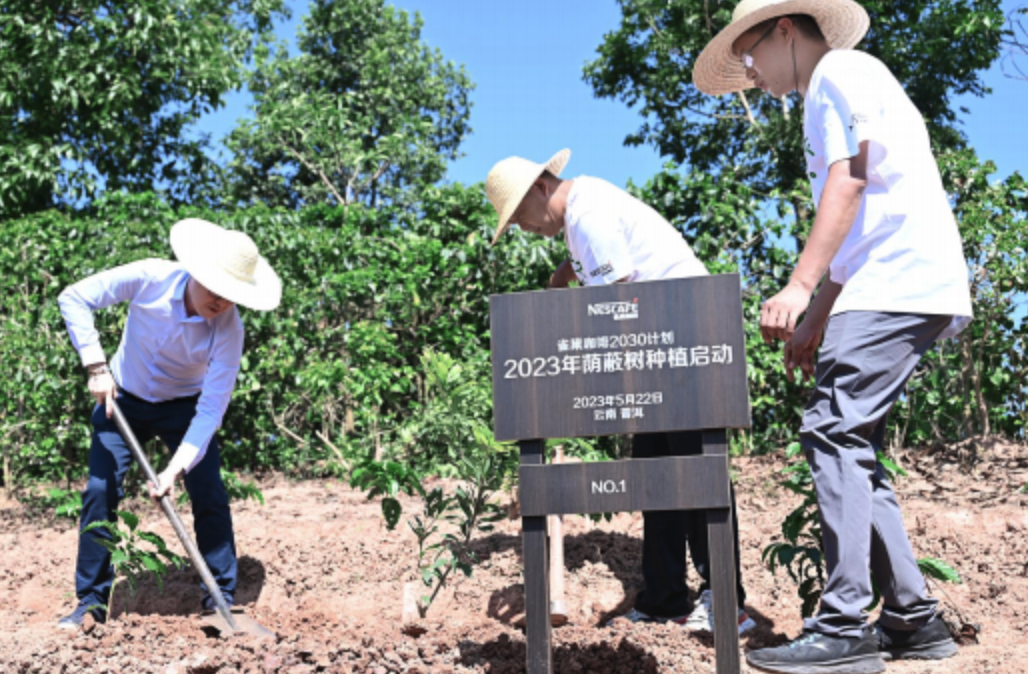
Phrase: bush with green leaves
(449, 434)
(134, 553)
(387, 479)
(326, 380)
(801, 550)
(64, 502)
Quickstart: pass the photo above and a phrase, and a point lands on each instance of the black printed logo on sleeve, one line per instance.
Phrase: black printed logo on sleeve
(602, 270)
(857, 118)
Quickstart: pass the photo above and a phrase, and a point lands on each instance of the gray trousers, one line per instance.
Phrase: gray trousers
(864, 363)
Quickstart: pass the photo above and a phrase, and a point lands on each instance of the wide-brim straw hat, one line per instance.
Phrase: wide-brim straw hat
(227, 263)
(509, 181)
(718, 71)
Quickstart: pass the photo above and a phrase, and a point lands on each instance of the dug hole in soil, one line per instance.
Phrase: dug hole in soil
(318, 566)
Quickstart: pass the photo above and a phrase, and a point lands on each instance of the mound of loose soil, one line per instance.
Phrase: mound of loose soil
(318, 566)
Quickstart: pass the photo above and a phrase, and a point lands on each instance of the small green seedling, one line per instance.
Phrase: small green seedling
(470, 509)
(131, 561)
(387, 479)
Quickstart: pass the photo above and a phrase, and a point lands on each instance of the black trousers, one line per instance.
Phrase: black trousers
(666, 532)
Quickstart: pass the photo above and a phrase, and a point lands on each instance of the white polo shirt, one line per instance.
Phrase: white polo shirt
(613, 236)
(904, 253)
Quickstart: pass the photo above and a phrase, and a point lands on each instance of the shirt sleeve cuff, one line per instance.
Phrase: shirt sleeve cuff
(93, 353)
(186, 457)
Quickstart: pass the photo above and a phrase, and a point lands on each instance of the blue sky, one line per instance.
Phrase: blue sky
(526, 59)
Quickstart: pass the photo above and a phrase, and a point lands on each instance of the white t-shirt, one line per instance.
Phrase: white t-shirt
(904, 253)
(614, 236)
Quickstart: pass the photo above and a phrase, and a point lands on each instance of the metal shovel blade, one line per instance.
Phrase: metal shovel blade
(243, 624)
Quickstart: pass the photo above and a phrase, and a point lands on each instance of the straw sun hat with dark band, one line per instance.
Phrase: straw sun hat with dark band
(718, 71)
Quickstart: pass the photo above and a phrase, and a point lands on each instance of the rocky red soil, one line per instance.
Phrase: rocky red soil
(319, 567)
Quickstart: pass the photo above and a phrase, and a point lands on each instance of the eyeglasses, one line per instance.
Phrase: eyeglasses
(747, 56)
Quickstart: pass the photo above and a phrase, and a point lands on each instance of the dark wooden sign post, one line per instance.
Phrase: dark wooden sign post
(618, 359)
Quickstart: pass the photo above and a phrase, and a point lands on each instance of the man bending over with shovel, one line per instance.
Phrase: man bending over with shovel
(172, 377)
(613, 237)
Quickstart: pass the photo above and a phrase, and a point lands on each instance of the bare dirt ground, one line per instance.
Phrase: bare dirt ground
(318, 566)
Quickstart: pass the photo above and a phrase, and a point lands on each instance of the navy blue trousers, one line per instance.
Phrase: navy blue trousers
(109, 460)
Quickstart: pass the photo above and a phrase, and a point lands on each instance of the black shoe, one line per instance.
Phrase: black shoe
(931, 642)
(73, 621)
(816, 653)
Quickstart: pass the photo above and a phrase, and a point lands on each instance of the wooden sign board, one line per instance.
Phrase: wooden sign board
(616, 359)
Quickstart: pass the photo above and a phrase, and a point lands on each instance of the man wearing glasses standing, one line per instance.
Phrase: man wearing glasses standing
(887, 254)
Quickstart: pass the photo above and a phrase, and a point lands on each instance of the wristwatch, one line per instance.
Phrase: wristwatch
(98, 370)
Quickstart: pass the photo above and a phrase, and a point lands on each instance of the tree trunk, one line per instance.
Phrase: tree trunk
(966, 414)
(378, 438)
(976, 374)
(7, 472)
(802, 215)
(349, 424)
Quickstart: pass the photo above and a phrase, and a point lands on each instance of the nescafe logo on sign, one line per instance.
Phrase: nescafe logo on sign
(620, 311)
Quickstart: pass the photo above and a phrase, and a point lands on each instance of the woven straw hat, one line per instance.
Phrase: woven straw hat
(718, 71)
(227, 263)
(509, 181)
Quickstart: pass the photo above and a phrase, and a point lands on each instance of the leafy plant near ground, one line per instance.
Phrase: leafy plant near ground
(64, 502)
(470, 509)
(448, 520)
(387, 479)
(449, 436)
(130, 555)
(801, 553)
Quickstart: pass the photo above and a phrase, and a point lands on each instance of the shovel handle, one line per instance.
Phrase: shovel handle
(176, 522)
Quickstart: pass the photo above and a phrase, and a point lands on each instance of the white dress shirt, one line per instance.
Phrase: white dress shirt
(164, 353)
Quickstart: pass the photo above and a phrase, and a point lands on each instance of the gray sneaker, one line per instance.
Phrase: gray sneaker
(931, 642)
(816, 653)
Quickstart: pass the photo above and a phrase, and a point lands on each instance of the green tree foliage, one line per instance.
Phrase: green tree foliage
(97, 94)
(364, 112)
(976, 384)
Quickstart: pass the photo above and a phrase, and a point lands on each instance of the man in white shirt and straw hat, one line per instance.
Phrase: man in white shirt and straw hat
(173, 376)
(613, 238)
(887, 254)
